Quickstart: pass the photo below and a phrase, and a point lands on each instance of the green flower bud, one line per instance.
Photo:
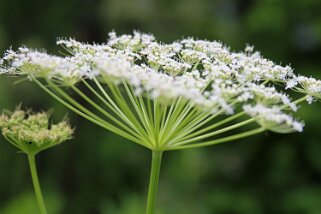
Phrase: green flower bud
(31, 132)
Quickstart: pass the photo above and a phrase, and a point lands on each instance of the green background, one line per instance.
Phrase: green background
(99, 172)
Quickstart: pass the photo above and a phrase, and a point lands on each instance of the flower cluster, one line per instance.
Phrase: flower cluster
(206, 74)
(273, 119)
(32, 133)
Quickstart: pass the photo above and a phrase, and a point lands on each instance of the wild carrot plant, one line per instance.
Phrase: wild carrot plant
(183, 95)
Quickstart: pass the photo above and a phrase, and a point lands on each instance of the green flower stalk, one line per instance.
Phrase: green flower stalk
(31, 133)
(182, 95)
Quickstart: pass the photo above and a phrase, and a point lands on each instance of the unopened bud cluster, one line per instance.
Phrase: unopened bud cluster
(32, 132)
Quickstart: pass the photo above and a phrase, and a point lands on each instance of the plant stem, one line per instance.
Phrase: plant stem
(36, 185)
(153, 183)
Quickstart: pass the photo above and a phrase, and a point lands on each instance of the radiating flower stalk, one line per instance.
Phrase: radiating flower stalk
(187, 94)
(31, 133)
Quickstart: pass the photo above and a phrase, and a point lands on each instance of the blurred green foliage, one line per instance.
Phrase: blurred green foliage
(99, 172)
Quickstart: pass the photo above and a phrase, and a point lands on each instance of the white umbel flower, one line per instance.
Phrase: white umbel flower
(205, 74)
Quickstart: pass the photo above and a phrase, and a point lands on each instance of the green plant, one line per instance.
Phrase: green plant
(31, 133)
(187, 94)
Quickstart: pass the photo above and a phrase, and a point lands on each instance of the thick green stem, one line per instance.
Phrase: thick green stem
(36, 185)
(153, 183)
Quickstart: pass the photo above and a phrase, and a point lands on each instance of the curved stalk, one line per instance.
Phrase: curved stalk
(132, 131)
(213, 126)
(211, 134)
(153, 183)
(36, 185)
(122, 105)
(221, 140)
(99, 122)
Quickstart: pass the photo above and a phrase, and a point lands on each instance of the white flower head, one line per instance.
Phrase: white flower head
(205, 74)
(272, 118)
(309, 86)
